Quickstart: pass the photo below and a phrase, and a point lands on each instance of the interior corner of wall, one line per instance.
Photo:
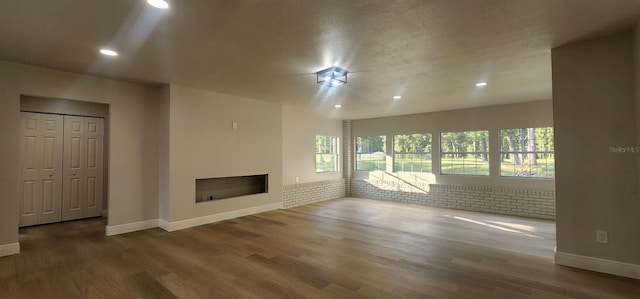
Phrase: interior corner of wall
(112, 230)
(164, 224)
(9, 249)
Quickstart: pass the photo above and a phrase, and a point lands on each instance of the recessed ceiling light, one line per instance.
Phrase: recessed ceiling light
(481, 84)
(108, 52)
(162, 4)
(337, 106)
(397, 97)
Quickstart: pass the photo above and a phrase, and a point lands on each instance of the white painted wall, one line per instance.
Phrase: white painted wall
(203, 144)
(299, 130)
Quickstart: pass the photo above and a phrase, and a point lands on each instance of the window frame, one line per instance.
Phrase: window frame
(480, 153)
(335, 153)
(357, 157)
(526, 153)
(429, 153)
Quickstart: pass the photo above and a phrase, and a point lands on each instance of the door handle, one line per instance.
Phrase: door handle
(73, 173)
(51, 174)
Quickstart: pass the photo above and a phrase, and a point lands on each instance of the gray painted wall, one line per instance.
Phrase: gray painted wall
(133, 188)
(594, 110)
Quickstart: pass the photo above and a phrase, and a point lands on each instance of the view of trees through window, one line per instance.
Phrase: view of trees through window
(527, 152)
(412, 153)
(464, 153)
(524, 152)
(371, 153)
(326, 153)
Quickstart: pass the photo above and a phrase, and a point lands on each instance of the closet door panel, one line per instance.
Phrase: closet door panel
(73, 171)
(93, 173)
(83, 158)
(51, 196)
(40, 168)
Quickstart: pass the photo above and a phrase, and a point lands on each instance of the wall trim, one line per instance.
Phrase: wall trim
(112, 230)
(9, 249)
(182, 224)
(598, 264)
(312, 184)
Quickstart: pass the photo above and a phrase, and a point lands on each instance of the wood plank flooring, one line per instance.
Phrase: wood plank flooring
(346, 248)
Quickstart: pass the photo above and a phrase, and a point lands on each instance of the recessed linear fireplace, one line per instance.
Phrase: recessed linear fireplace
(209, 189)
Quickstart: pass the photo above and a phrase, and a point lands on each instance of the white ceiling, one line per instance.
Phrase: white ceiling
(430, 52)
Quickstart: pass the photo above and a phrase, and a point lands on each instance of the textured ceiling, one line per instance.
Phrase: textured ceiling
(430, 52)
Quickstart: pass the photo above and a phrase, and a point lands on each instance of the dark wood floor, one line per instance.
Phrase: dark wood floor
(345, 248)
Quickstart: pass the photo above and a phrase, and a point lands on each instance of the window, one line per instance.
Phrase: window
(326, 153)
(527, 152)
(465, 153)
(371, 153)
(412, 153)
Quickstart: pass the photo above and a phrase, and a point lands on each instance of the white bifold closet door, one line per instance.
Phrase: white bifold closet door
(61, 168)
(40, 168)
(82, 170)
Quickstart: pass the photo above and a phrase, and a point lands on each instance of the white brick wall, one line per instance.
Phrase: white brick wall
(347, 154)
(509, 201)
(306, 193)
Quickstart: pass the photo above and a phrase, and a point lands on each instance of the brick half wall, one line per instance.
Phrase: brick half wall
(500, 200)
(307, 193)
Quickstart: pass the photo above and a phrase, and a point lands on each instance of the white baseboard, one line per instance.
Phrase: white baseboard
(182, 224)
(130, 227)
(9, 249)
(164, 224)
(598, 264)
(105, 213)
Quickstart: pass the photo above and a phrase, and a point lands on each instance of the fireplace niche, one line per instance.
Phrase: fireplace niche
(209, 189)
